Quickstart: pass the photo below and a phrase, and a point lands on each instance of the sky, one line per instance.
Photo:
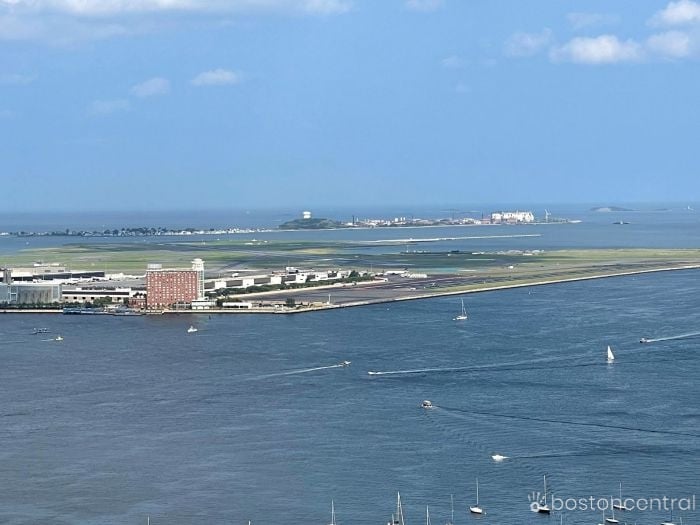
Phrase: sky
(196, 104)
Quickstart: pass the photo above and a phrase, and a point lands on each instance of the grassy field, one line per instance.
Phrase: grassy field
(267, 255)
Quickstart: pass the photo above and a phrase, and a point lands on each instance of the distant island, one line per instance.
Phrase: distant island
(312, 224)
(610, 208)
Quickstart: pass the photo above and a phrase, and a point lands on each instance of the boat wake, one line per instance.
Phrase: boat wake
(500, 367)
(672, 337)
(305, 370)
(573, 423)
(436, 239)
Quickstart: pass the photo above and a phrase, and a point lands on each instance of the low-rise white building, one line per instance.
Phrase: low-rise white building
(512, 216)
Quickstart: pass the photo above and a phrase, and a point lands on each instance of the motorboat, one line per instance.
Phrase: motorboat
(498, 457)
(58, 338)
(644, 340)
(192, 330)
(344, 363)
(427, 404)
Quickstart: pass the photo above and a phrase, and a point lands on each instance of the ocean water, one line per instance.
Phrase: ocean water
(133, 417)
(650, 226)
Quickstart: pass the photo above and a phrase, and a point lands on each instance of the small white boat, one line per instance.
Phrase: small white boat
(192, 330)
(611, 356)
(427, 404)
(58, 338)
(476, 509)
(463, 315)
(644, 340)
(620, 504)
(498, 457)
(344, 363)
(612, 520)
(542, 506)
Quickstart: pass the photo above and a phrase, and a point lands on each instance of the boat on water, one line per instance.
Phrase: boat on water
(463, 315)
(344, 363)
(612, 520)
(620, 503)
(452, 511)
(85, 311)
(332, 513)
(192, 330)
(611, 356)
(427, 515)
(541, 506)
(427, 404)
(644, 340)
(397, 519)
(498, 457)
(58, 338)
(476, 509)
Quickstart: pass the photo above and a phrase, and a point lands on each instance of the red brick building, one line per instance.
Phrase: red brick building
(164, 288)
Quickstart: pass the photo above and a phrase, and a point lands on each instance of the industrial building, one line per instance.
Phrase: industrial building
(88, 295)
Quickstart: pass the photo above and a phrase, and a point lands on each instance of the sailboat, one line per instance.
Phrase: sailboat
(332, 513)
(452, 511)
(612, 519)
(611, 356)
(462, 316)
(427, 515)
(191, 329)
(397, 519)
(476, 509)
(542, 506)
(620, 505)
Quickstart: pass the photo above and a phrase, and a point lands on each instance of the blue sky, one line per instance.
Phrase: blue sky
(192, 104)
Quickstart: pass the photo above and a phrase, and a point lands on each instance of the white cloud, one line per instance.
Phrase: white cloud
(69, 21)
(582, 20)
(671, 44)
(527, 44)
(424, 6)
(603, 49)
(216, 77)
(682, 12)
(16, 79)
(151, 87)
(107, 107)
(453, 62)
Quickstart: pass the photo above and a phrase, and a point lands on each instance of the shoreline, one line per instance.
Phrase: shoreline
(354, 304)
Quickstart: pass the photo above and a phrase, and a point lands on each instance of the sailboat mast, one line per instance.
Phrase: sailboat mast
(477, 492)
(452, 509)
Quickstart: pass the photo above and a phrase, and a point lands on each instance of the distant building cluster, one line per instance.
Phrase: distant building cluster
(511, 217)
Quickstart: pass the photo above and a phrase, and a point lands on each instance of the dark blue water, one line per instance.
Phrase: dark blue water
(674, 227)
(129, 417)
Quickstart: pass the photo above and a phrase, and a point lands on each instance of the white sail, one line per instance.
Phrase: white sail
(611, 356)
